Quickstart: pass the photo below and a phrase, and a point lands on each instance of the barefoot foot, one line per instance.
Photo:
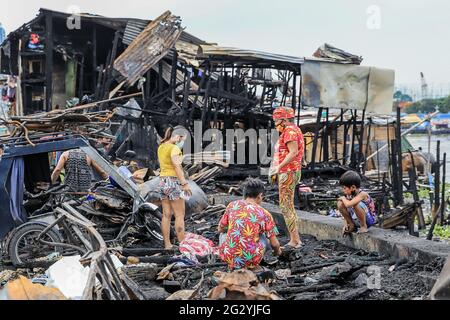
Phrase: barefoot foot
(295, 245)
(348, 229)
(362, 230)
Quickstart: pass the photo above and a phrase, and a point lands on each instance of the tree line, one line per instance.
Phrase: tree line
(423, 106)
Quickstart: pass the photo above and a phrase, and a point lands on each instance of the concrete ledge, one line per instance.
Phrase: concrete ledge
(386, 242)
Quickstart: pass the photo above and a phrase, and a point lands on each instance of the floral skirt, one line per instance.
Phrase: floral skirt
(170, 188)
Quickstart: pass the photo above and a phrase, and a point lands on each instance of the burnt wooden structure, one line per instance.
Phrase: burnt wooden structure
(178, 79)
(56, 63)
(58, 57)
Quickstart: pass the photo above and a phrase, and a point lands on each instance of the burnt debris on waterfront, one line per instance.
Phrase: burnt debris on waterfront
(113, 87)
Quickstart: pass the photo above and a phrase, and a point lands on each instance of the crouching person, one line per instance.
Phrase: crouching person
(247, 230)
(356, 205)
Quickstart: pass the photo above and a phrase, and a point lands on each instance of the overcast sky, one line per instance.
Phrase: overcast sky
(409, 36)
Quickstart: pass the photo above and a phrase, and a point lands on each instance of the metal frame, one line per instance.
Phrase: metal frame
(95, 254)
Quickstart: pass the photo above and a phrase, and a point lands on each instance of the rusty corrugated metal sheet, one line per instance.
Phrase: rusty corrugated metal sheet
(187, 45)
(347, 86)
(327, 51)
(133, 30)
(135, 27)
(149, 47)
(187, 53)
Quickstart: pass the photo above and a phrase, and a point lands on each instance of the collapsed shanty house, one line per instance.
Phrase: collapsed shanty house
(154, 74)
(126, 80)
(58, 57)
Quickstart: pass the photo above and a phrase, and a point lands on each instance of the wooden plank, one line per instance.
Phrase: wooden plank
(149, 47)
(108, 78)
(94, 57)
(316, 137)
(19, 105)
(48, 60)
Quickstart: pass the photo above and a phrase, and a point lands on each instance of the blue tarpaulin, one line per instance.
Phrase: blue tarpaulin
(15, 185)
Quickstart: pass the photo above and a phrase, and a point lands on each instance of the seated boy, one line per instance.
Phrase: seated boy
(356, 204)
(247, 229)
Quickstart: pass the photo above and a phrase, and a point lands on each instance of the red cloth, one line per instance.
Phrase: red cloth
(283, 113)
(291, 133)
(246, 223)
(195, 245)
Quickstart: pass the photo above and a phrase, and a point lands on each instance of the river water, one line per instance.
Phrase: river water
(421, 140)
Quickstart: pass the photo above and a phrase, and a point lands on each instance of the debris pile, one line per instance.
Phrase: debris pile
(321, 270)
(240, 285)
(154, 76)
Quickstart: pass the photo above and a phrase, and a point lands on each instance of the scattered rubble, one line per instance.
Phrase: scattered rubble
(333, 282)
(320, 270)
(240, 285)
(154, 75)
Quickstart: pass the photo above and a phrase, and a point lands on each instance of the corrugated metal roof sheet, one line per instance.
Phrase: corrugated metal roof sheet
(187, 37)
(133, 29)
(330, 52)
(149, 47)
(248, 56)
(187, 52)
(136, 25)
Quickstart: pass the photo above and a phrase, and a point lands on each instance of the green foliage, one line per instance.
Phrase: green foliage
(408, 195)
(406, 98)
(424, 193)
(400, 97)
(424, 106)
(430, 105)
(445, 105)
(414, 108)
(442, 232)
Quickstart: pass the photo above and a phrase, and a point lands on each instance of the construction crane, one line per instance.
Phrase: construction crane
(425, 96)
(424, 85)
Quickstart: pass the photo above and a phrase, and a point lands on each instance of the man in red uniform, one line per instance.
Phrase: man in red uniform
(288, 165)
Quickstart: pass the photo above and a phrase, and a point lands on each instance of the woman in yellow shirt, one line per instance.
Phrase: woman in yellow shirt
(173, 184)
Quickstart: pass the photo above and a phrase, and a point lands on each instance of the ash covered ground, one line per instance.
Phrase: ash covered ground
(320, 270)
